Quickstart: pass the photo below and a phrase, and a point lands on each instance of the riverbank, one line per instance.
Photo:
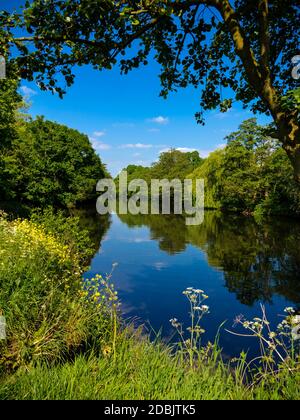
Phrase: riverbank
(64, 340)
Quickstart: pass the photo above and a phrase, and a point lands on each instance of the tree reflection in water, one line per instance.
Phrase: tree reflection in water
(259, 259)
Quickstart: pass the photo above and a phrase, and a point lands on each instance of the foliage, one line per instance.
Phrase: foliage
(69, 232)
(211, 172)
(252, 174)
(172, 164)
(235, 51)
(175, 164)
(10, 101)
(292, 101)
(48, 317)
(194, 42)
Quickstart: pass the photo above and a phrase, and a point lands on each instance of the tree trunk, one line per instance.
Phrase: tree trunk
(289, 135)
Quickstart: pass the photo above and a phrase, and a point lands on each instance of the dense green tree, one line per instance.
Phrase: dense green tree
(211, 172)
(252, 174)
(175, 164)
(243, 45)
(10, 101)
(51, 165)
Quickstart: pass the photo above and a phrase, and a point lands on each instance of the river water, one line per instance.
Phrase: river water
(239, 262)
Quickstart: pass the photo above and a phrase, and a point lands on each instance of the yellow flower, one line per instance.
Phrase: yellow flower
(107, 350)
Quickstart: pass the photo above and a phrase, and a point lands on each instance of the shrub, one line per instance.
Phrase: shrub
(41, 297)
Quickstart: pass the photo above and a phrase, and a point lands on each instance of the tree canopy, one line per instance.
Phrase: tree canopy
(172, 164)
(252, 174)
(49, 164)
(233, 50)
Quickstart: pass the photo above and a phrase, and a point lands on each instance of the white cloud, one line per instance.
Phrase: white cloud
(99, 133)
(160, 265)
(137, 240)
(27, 91)
(203, 153)
(98, 145)
(165, 150)
(103, 146)
(137, 155)
(136, 146)
(180, 149)
(185, 149)
(143, 162)
(154, 130)
(160, 120)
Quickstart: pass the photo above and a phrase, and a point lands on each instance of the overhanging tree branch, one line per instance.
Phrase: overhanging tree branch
(263, 9)
(241, 43)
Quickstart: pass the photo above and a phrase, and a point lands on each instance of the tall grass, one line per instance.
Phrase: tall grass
(141, 370)
(41, 298)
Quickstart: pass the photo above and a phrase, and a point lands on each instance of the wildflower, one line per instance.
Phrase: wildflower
(106, 351)
(289, 310)
(256, 326)
(174, 322)
(296, 333)
(204, 308)
(296, 320)
(199, 330)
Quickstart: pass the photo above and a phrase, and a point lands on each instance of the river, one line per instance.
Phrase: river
(240, 263)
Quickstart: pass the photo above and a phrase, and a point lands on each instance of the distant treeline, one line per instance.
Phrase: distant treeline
(252, 174)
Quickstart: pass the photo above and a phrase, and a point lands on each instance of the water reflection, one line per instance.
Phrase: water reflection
(239, 263)
(258, 259)
(97, 226)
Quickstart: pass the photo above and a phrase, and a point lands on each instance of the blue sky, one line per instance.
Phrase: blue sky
(126, 119)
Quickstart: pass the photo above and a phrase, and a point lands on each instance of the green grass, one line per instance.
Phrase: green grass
(141, 371)
(63, 345)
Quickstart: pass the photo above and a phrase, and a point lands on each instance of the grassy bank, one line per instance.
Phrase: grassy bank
(64, 341)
